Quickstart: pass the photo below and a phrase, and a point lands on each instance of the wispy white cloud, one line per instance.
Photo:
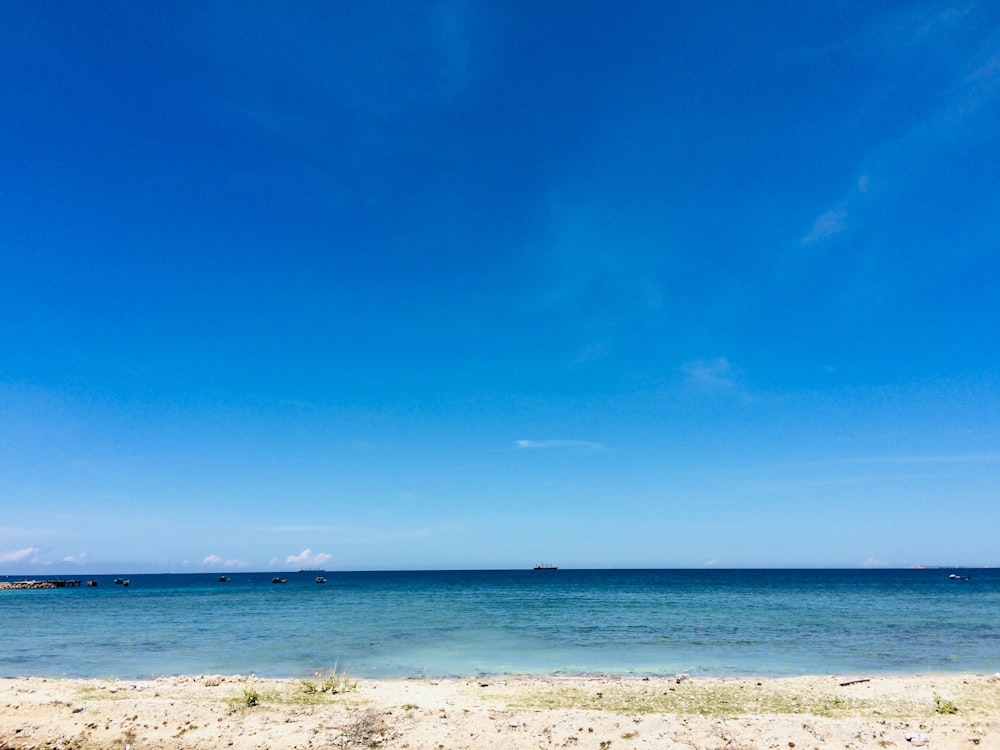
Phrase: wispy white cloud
(969, 83)
(354, 534)
(306, 559)
(979, 86)
(401, 534)
(216, 560)
(19, 555)
(76, 559)
(455, 25)
(713, 373)
(13, 531)
(910, 31)
(598, 248)
(307, 528)
(840, 218)
(829, 224)
(539, 444)
(382, 535)
(591, 353)
(874, 562)
(971, 458)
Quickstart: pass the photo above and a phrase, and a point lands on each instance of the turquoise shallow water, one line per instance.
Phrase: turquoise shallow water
(381, 624)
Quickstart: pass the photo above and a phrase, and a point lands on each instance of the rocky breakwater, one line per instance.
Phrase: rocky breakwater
(37, 584)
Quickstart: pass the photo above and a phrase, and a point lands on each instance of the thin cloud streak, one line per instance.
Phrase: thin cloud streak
(969, 91)
(829, 224)
(983, 458)
(306, 529)
(365, 534)
(715, 373)
(543, 444)
(19, 554)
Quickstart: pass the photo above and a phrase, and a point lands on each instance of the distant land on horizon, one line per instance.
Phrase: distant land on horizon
(119, 572)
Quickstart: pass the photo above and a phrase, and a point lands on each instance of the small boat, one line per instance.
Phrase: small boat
(320, 579)
(545, 566)
(956, 577)
(279, 580)
(125, 582)
(119, 580)
(223, 579)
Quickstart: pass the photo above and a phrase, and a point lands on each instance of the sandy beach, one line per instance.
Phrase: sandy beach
(603, 713)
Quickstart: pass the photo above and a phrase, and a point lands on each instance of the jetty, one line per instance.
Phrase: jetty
(57, 584)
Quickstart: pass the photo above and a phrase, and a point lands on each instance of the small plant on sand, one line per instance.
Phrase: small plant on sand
(943, 706)
(335, 682)
(251, 697)
(322, 686)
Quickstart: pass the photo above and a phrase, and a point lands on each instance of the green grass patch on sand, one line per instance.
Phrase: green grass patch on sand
(320, 690)
(251, 697)
(113, 690)
(718, 699)
(331, 682)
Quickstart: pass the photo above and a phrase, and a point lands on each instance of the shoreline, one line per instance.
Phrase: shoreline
(336, 711)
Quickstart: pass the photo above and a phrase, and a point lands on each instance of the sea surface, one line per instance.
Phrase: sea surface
(462, 623)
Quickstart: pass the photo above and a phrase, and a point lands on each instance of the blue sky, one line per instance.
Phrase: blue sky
(400, 285)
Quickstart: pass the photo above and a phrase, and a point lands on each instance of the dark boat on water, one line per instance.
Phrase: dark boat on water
(545, 566)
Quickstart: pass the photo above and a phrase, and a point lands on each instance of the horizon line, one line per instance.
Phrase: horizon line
(503, 570)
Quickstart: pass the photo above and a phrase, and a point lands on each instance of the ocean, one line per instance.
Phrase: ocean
(462, 623)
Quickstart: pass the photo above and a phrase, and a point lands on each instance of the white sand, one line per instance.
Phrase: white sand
(553, 712)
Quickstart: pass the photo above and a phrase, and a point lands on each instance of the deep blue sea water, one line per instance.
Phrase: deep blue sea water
(401, 624)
